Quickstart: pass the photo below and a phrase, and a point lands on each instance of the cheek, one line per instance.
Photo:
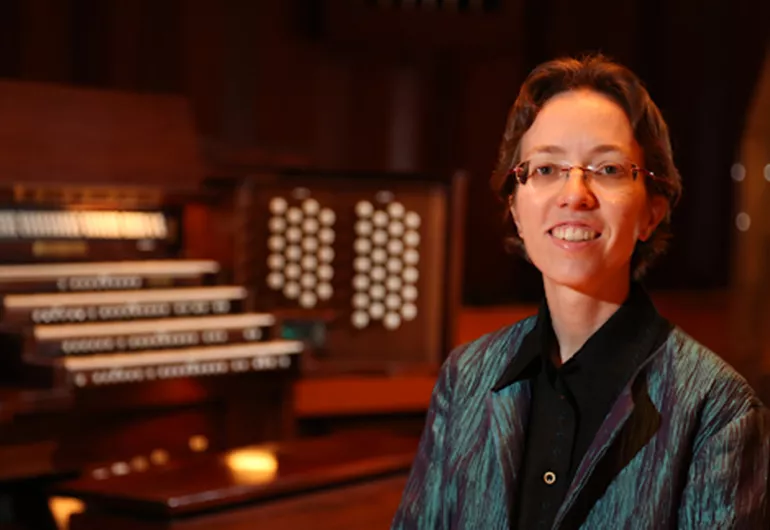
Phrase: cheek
(628, 218)
(528, 214)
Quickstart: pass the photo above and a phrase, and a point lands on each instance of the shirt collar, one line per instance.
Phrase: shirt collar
(618, 347)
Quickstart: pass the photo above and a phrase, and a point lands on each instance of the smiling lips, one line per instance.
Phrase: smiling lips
(574, 233)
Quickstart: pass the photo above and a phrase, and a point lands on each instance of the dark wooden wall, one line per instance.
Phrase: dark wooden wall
(345, 84)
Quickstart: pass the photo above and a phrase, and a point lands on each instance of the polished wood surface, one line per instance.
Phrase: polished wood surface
(65, 134)
(368, 505)
(246, 474)
(331, 396)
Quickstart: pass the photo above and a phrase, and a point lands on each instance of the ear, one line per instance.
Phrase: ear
(657, 210)
(514, 216)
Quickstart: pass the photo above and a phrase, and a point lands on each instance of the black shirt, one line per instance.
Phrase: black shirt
(570, 402)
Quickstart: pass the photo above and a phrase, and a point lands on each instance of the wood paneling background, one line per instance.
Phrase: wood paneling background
(348, 85)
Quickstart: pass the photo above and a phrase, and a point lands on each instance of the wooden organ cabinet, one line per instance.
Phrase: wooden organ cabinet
(154, 328)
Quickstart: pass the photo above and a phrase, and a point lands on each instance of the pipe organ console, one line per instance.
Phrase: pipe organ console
(107, 364)
(363, 267)
(147, 330)
(123, 346)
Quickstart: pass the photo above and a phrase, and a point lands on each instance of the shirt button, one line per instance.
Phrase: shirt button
(549, 477)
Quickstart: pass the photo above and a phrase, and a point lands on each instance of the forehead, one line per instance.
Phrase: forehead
(577, 123)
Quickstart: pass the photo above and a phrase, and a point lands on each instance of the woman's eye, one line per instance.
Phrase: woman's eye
(610, 170)
(544, 170)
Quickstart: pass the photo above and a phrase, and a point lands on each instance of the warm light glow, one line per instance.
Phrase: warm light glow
(159, 457)
(62, 508)
(252, 465)
(198, 443)
(743, 221)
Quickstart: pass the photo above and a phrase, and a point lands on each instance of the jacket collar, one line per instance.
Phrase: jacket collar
(509, 403)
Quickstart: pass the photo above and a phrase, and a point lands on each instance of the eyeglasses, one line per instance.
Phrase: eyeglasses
(608, 175)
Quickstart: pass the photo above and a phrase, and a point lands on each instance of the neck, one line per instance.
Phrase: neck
(576, 315)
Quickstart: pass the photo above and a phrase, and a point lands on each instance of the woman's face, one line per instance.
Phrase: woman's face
(580, 231)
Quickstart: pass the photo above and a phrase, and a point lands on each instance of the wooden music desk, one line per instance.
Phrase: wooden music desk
(338, 482)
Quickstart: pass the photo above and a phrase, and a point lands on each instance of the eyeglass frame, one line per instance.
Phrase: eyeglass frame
(522, 178)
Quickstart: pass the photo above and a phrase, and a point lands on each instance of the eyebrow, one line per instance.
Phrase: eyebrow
(557, 150)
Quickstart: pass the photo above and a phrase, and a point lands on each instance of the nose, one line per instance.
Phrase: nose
(575, 192)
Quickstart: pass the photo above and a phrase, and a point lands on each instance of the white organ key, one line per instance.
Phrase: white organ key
(294, 215)
(278, 205)
(380, 218)
(410, 275)
(393, 283)
(309, 244)
(188, 355)
(396, 229)
(412, 220)
(326, 236)
(327, 217)
(277, 224)
(130, 225)
(294, 253)
(363, 228)
(362, 245)
(145, 268)
(309, 262)
(311, 206)
(361, 282)
(310, 226)
(7, 224)
(364, 208)
(360, 301)
(412, 238)
(379, 255)
(326, 254)
(409, 293)
(307, 299)
(291, 290)
(409, 311)
(275, 261)
(362, 264)
(324, 290)
(377, 310)
(325, 272)
(276, 243)
(391, 321)
(393, 301)
(380, 237)
(292, 271)
(182, 294)
(25, 224)
(359, 319)
(411, 256)
(293, 234)
(68, 224)
(396, 209)
(308, 281)
(159, 227)
(378, 274)
(240, 320)
(377, 292)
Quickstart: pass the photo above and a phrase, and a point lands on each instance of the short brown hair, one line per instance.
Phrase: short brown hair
(597, 73)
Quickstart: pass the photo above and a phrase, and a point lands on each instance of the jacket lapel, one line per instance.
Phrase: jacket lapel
(629, 426)
(508, 409)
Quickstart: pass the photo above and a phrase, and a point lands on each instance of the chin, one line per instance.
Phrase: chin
(578, 277)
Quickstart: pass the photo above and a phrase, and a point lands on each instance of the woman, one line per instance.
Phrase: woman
(596, 413)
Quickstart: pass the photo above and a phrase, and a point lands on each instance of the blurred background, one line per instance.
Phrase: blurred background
(210, 114)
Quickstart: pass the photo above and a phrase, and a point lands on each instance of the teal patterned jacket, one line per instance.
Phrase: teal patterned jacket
(686, 445)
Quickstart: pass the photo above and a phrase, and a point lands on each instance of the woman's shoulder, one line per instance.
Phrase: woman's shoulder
(694, 372)
(483, 359)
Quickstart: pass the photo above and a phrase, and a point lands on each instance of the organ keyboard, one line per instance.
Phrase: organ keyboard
(95, 276)
(127, 336)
